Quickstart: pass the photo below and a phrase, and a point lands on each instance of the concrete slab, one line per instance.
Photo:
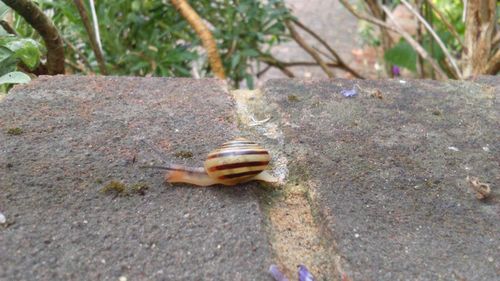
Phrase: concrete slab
(387, 172)
(63, 139)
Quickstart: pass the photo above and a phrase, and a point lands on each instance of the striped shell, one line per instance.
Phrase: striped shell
(237, 161)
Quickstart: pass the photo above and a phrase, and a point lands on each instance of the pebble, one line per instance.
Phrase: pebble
(2, 219)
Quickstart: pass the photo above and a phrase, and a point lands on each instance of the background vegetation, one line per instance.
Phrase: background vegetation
(152, 38)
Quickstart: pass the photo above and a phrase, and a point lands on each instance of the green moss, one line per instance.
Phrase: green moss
(15, 131)
(115, 187)
(184, 154)
(436, 112)
(293, 98)
(121, 189)
(139, 188)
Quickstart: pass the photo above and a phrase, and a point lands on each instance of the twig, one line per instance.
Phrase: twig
(368, 18)
(7, 27)
(92, 36)
(308, 49)
(386, 39)
(80, 55)
(96, 25)
(44, 26)
(397, 28)
(418, 48)
(436, 37)
(78, 67)
(205, 35)
(340, 62)
(447, 23)
(276, 63)
(419, 38)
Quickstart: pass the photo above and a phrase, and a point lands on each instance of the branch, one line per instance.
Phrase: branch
(438, 40)
(92, 36)
(44, 26)
(447, 23)
(7, 27)
(205, 35)
(480, 25)
(418, 48)
(367, 17)
(493, 66)
(340, 62)
(308, 49)
(376, 10)
(276, 63)
(81, 56)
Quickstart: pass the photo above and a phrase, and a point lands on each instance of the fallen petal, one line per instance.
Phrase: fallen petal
(276, 273)
(304, 274)
(349, 93)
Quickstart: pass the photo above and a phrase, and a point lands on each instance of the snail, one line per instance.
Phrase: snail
(234, 162)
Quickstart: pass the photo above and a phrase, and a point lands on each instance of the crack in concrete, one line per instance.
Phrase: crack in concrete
(295, 234)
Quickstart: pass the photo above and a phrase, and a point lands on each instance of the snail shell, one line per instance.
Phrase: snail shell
(236, 161)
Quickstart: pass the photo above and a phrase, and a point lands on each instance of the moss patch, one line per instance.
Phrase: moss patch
(120, 189)
(14, 131)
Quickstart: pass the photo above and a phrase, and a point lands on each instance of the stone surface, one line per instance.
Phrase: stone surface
(388, 171)
(384, 172)
(63, 139)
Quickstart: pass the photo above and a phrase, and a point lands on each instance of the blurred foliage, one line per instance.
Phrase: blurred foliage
(403, 55)
(150, 38)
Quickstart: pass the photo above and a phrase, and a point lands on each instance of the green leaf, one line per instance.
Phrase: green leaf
(5, 53)
(402, 55)
(25, 49)
(235, 60)
(250, 53)
(14, 77)
(249, 80)
(3, 10)
(8, 60)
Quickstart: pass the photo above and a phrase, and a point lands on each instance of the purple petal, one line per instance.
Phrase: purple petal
(276, 273)
(304, 274)
(349, 93)
(396, 71)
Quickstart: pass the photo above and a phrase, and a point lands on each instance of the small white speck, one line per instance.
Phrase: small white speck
(490, 259)
(485, 148)
(356, 235)
(85, 222)
(103, 261)
(453, 148)
(122, 278)
(402, 81)
(219, 246)
(2, 219)
(186, 215)
(176, 130)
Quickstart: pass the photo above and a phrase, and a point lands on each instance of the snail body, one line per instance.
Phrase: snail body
(235, 162)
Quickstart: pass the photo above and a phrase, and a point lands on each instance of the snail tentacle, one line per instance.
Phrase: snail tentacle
(196, 176)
